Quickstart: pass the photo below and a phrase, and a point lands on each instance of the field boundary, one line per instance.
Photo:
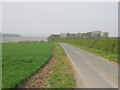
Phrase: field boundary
(96, 53)
(39, 78)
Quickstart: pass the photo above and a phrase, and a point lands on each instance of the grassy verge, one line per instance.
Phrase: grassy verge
(109, 56)
(62, 76)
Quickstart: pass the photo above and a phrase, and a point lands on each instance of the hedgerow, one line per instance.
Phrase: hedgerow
(108, 45)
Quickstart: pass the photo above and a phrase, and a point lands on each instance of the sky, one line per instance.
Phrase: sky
(45, 18)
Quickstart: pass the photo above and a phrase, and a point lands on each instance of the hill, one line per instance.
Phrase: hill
(10, 35)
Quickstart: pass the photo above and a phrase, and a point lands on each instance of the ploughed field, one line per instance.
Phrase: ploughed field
(21, 60)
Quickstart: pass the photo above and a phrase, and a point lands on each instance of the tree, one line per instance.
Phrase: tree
(71, 36)
(53, 37)
(88, 35)
(96, 34)
(105, 35)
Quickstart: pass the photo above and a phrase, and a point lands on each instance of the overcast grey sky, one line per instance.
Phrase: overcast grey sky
(59, 17)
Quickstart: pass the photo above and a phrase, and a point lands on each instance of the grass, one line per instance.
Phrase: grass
(21, 60)
(62, 76)
(109, 56)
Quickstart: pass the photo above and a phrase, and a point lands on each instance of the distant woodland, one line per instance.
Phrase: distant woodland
(88, 35)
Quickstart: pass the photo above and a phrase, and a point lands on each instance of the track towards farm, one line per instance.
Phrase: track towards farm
(91, 71)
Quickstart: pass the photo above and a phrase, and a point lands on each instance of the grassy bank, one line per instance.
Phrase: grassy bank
(109, 56)
(107, 48)
(62, 75)
(108, 45)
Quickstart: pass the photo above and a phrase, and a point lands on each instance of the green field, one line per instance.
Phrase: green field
(21, 60)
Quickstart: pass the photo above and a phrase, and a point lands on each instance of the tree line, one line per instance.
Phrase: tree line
(88, 35)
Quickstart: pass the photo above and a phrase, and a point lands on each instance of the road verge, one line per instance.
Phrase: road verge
(62, 73)
(103, 54)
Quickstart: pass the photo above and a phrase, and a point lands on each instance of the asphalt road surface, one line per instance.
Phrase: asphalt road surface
(91, 71)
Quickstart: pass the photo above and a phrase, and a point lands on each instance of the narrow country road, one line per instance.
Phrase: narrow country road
(91, 71)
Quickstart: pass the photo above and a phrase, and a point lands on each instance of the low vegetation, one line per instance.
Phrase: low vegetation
(62, 76)
(97, 42)
(107, 48)
(21, 60)
(108, 45)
